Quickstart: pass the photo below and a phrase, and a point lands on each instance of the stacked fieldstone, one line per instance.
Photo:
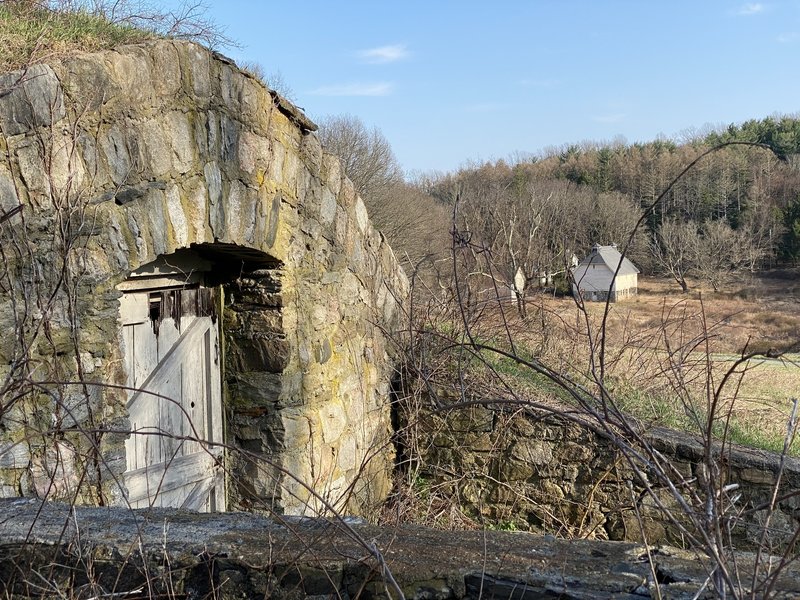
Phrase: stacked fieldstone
(528, 471)
(143, 151)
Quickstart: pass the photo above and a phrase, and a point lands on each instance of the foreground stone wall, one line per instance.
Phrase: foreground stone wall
(523, 470)
(52, 551)
(122, 157)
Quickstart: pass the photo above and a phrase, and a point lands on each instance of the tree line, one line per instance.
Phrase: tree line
(737, 210)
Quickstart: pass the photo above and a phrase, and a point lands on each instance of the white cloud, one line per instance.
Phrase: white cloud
(384, 54)
(611, 118)
(355, 89)
(752, 8)
(789, 38)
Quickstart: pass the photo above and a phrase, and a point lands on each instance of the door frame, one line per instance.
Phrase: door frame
(185, 272)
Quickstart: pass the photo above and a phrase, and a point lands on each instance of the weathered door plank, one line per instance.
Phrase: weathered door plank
(172, 360)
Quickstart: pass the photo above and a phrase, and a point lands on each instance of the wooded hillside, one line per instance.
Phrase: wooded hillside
(736, 210)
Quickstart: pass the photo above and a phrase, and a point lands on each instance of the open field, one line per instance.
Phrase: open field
(670, 357)
(761, 315)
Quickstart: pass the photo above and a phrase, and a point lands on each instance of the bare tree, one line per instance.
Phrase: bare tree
(721, 253)
(672, 248)
(612, 219)
(713, 252)
(366, 155)
(413, 221)
(764, 231)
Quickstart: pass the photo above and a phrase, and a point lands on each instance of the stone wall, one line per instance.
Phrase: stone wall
(122, 157)
(524, 470)
(53, 551)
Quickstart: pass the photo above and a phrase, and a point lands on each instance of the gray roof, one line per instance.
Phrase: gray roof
(609, 256)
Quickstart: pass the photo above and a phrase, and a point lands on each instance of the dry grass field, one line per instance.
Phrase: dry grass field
(760, 315)
(670, 357)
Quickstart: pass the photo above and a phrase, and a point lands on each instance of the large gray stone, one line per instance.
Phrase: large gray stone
(29, 99)
(9, 199)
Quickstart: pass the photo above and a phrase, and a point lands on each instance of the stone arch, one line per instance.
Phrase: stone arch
(162, 146)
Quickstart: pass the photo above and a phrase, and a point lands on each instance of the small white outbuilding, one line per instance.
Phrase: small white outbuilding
(593, 278)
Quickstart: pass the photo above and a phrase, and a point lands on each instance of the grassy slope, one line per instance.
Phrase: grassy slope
(29, 35)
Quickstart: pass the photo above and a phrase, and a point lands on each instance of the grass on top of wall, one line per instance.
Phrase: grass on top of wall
(31, 33)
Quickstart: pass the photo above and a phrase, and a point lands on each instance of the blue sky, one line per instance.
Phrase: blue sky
(448, 82)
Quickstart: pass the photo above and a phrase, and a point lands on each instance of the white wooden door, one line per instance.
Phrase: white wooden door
(172, 360)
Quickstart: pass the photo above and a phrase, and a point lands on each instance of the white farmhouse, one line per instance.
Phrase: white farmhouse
(594, 277)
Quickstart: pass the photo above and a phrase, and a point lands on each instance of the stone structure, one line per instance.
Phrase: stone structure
(161, 175)
(527, 471)
(52, 551)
